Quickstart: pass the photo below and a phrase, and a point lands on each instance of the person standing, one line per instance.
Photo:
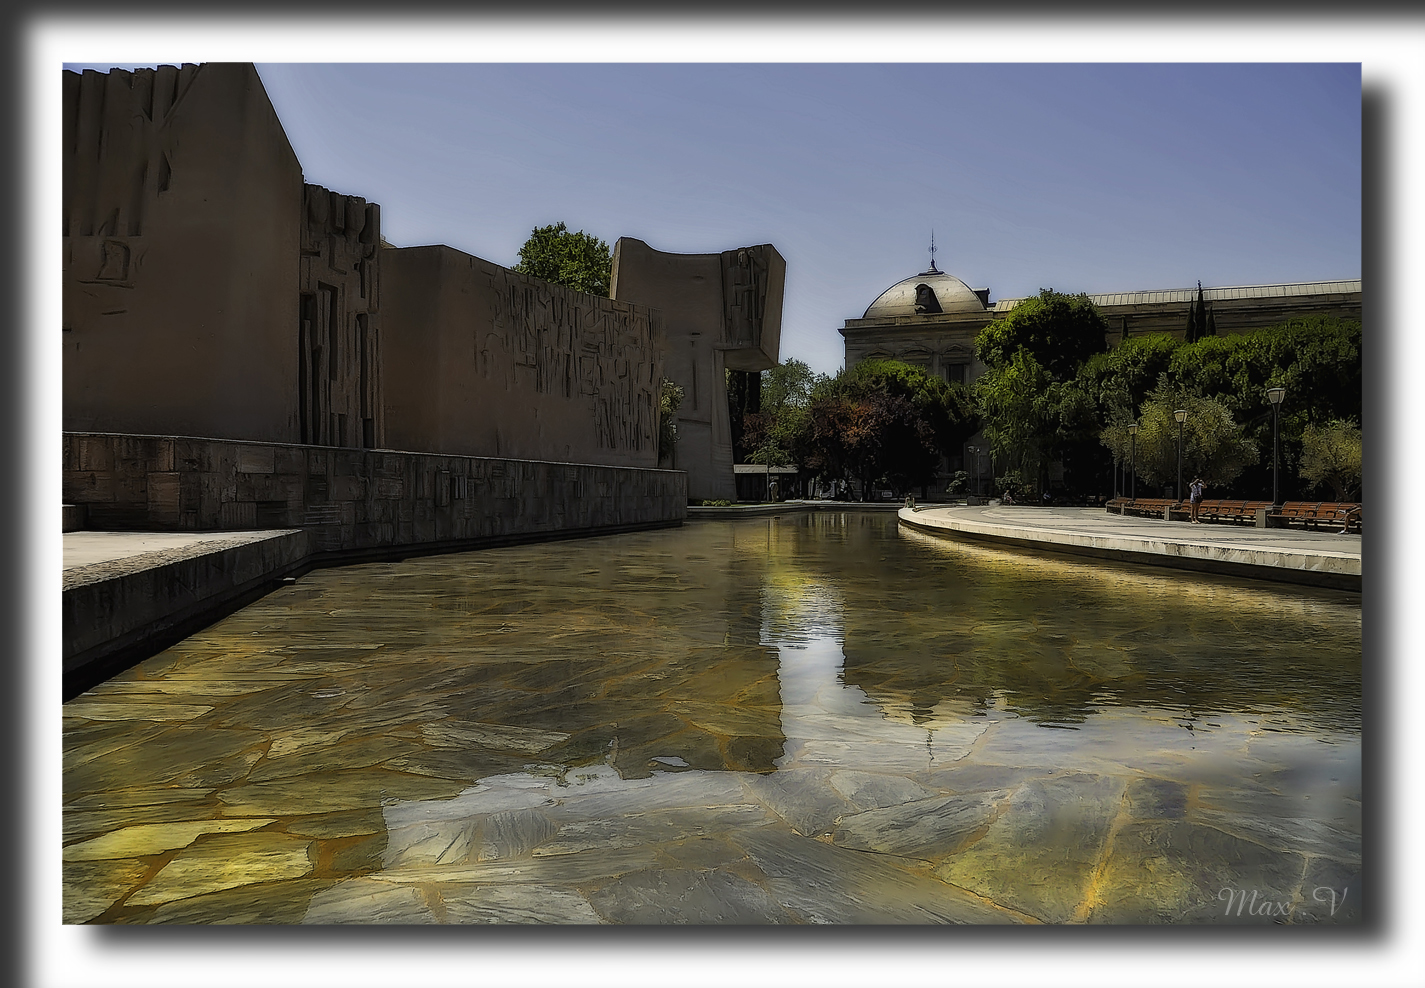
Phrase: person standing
(1194, 499)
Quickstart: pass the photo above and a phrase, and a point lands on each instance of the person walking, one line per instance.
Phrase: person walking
(1194, 499)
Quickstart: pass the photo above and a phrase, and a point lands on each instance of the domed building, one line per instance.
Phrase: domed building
(931, 320)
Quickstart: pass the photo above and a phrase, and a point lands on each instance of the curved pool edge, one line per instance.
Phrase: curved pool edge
(1282, 556)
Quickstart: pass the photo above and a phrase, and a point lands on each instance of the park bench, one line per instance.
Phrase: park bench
(1153, 507)
(1310, 514)
(1234, 511)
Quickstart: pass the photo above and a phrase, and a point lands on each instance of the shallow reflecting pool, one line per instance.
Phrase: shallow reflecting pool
(816, 719)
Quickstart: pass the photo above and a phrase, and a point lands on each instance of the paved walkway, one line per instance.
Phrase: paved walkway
(1321, 558)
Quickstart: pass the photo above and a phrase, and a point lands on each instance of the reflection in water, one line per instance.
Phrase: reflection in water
(822, 718)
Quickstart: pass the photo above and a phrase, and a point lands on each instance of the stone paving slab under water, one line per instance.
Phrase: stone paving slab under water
(816, 720)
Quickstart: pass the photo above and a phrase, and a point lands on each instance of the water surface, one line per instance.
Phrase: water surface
(805, 719)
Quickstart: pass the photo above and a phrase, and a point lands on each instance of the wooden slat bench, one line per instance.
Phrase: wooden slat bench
(1216, 510)
(1152, 507)
(1310, 514)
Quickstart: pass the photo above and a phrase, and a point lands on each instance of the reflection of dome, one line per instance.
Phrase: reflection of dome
(927, 293)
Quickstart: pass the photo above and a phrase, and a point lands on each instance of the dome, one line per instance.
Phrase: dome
(927, 293)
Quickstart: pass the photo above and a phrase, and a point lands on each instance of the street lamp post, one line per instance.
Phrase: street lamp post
(1275, 396)
(1133, 456)
(1181, 416)
(974, 456)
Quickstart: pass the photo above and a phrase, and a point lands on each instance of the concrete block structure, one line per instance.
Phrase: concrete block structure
(182, 221)
(210, 293)
(720, 312)
(484, 361)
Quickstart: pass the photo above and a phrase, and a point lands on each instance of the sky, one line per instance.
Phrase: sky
(1079, 177)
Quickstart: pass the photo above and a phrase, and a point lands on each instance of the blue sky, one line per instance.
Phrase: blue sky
(1078, 177)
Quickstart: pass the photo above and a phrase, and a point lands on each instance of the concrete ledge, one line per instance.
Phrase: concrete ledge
(1290, 557)
(117, 611)
(786, 507)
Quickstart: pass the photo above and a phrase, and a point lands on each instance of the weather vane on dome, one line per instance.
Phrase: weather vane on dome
(932, 251)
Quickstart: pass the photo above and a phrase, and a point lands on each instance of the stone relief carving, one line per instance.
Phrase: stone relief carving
(575, 346)
(117, 161)
(339, 349)
(744, 294)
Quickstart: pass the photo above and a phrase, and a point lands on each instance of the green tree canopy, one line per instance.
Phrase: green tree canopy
(882, 420)
(772, 435)
(1059, 331)
(1121, 378)
(1214, 447)
(670, 397)
(577, 260)
(1317, 360)
(1331, 454)
(1020, 402)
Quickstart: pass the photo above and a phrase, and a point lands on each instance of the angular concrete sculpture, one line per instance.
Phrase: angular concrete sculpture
(720, 312)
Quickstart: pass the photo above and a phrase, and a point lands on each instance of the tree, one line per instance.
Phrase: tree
(883, 420)
(744, 398)
(577, 260)
(1059, 331)
(1317, 360)
(1331, 454)
(1020, 405)
(670, 397)
(1034, 415)
(1200, 321)
(1214, 447)
(1123, 376)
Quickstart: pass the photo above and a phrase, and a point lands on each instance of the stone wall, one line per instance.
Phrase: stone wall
(353, 500)
(182, 204)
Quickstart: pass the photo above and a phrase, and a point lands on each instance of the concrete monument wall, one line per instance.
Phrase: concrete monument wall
(483, 361)
(338, 351)
(721, 311)
(182, 213)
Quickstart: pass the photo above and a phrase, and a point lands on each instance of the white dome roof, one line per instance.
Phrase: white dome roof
(947, 293)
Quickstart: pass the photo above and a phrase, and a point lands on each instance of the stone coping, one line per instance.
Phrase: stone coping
(92, 557)
(786, 507)
(264, 443)
(1323, 559)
